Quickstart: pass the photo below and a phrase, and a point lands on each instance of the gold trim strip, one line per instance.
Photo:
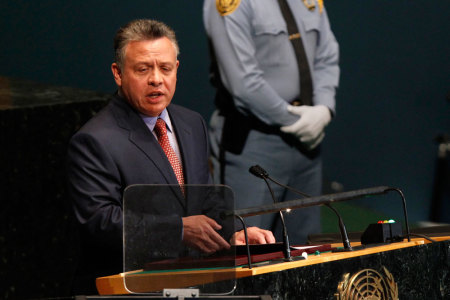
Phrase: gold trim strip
(294, 36)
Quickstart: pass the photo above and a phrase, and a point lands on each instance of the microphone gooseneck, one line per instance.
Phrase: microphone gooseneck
(287, 246)
(260, 172)
(345, 240)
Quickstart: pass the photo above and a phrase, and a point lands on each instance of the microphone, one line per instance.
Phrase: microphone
(258, 172)
(261, 173)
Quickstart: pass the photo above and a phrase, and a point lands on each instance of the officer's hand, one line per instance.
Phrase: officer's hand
(200, 232)
(256, 235)
(309, 128)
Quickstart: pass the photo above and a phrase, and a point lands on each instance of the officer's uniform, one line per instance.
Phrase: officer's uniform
(257, 66)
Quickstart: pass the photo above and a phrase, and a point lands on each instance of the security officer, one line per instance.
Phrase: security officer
(270, 111)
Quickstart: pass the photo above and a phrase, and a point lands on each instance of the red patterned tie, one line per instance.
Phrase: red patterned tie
(163, 139)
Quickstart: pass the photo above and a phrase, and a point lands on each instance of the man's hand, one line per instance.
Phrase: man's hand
(200, 232)
(309, 129)
(256, 235)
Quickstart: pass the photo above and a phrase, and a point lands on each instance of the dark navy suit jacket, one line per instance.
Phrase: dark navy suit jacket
(113, 150)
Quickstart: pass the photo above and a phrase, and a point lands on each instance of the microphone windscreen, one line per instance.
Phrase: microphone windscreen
(258, 171)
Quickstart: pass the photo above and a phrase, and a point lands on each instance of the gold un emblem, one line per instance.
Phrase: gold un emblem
(367, 284)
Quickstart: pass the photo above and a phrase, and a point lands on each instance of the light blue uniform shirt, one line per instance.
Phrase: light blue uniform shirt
(257, 62)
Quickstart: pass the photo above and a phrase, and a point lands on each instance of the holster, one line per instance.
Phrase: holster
(235, 128)
(237, 125)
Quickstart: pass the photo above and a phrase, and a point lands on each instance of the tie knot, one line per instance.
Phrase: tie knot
(160, 127)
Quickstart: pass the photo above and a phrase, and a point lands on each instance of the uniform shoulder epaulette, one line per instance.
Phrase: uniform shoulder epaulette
(320, 5)
(311, 5)
(226, 7)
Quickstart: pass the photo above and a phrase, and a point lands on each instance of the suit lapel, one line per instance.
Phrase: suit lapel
(142, 138)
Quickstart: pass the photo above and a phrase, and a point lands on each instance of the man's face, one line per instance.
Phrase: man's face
(149, 75)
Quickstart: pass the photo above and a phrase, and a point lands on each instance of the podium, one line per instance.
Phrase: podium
(154, 262)
(411, 270)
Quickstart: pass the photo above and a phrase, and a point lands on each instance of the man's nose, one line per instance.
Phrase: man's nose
(155, 78)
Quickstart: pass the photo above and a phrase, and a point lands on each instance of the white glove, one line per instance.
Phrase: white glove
(309, 129)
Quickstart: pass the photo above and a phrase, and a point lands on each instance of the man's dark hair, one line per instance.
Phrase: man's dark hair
(141, 30)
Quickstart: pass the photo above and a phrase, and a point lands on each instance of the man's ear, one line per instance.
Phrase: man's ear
(117, 74)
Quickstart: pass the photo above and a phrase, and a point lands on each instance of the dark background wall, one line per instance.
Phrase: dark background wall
(390, 106)
(392, 98)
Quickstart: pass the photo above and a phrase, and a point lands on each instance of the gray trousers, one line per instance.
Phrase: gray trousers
(283, 162)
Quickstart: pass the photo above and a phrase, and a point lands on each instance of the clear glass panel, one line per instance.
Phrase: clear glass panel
(155, 253)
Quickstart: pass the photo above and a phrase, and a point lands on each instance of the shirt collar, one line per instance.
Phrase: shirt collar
(151, 121)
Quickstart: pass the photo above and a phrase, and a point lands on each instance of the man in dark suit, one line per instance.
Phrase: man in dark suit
(140, 138)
